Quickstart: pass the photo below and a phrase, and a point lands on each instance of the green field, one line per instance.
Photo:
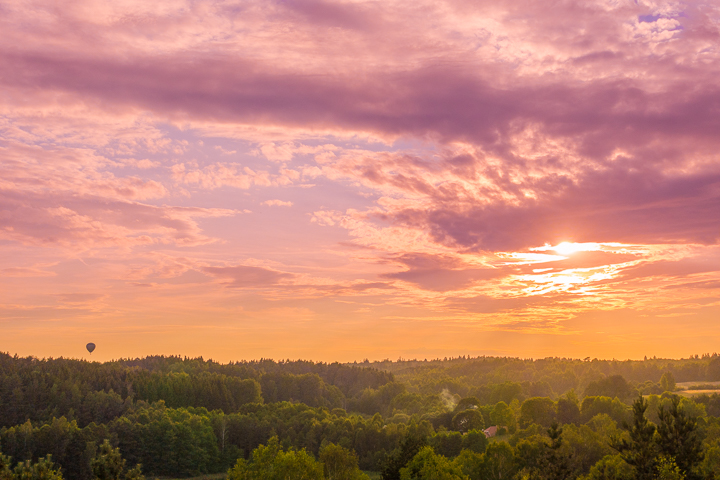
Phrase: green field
(692, 384)
(693, 393)
(685, 386)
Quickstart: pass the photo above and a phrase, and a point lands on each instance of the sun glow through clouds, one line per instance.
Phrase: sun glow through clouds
(569, 248)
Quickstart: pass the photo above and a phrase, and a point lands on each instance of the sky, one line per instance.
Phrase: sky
(341, 180)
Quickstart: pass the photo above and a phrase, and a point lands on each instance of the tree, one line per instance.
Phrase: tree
(613, 407)
(641, 451)
(667, 469)
(678, 439)
(542, 459)
(611, 467)
(567, 411)
(468, 420)
(555, 465)
(427, 465)
(44, 469)
(470, 463)
(711, 461)
(340, 463)
(613, 386)
(498, 462)
(667, 381)
(530, 452)
(713, 369)
(584, 446)
(502, 415)
(135, 473)
(5, 472)
(271, 462)
(448, 444)
(475, 440)
(540, 410)
(108, 464)
(296, 465)
(468, 403)
(409, 446)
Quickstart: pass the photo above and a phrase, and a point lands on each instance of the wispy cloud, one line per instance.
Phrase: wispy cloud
(277, 203)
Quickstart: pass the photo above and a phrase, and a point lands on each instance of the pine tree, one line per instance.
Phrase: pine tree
(557, 464)
(5, 473)
(410, 445)
(108, 464)
(44, 469)
(641, 451)
(678, 438)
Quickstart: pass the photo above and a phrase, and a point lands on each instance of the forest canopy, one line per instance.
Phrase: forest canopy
(178, 416)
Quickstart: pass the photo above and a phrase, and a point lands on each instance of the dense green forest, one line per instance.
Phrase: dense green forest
(178, 417)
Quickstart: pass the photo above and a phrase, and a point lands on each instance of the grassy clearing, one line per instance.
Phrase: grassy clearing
(714, 387)
(693, 393)
(373, 475)
(692, 384)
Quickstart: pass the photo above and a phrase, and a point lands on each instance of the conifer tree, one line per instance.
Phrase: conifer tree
(43, 469)
(678, 438)
(5, 472)
(641, 451)
(108, 464)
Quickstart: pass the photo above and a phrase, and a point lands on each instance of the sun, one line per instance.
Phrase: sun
(568, 248)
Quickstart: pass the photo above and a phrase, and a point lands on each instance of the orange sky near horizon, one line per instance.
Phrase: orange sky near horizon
(341, 180)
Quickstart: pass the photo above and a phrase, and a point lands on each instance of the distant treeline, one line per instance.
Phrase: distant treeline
(40, 390)
(180, 416)
(479, 376)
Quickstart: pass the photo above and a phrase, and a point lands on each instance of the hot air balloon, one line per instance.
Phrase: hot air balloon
(90, 347)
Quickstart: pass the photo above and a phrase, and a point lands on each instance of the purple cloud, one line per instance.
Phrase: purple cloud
(442, 273)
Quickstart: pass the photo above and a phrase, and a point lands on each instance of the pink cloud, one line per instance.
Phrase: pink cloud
(277, 203)
(79, 298)
(26, 272)
(242, 276)
(55, 168)
(474, 203)
(82, 222)
(442, 273)
(220, 175)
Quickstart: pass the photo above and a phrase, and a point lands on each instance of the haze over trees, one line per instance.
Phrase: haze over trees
(409, 419)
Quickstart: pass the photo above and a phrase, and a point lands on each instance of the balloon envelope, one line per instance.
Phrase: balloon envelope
(90, 347)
